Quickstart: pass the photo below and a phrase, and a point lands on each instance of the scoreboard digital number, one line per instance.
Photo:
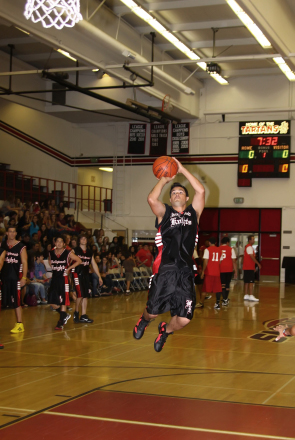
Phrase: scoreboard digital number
(264, 151)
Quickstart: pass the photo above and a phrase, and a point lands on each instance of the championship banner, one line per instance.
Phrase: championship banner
(159, 137)
(180, 138)
(137, 136)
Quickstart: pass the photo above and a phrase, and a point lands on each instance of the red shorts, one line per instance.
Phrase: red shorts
(212, 284)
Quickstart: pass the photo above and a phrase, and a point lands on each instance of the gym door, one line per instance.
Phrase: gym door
(270, 250)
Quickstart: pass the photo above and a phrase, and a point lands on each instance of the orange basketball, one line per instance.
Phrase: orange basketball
(165, 166)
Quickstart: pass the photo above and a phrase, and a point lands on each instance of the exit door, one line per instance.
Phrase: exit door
(270, 247)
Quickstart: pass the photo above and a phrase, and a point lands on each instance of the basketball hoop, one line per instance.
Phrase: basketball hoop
(56, 13)
(166, 104)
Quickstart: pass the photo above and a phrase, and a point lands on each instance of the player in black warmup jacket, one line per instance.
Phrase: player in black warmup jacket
(58, 294)
(172, 282)
(81, 278)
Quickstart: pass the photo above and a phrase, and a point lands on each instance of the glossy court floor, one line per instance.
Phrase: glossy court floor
(222, 377)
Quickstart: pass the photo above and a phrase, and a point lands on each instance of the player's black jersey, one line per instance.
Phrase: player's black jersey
(12, 267)
(86, 256)
(59, 263)
(176, 238)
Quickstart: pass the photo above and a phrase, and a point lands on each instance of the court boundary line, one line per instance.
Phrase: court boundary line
(160, 425)
(101, 388)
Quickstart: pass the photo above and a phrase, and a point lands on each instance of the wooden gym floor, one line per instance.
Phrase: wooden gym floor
(222, 377)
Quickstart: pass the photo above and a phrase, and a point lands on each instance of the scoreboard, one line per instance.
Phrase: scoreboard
(264, 151)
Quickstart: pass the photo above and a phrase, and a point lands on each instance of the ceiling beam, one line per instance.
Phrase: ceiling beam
(209, 43)
(179, 27)
(167, 6)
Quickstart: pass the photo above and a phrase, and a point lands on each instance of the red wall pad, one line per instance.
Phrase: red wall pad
(242, 220)
(270, 220)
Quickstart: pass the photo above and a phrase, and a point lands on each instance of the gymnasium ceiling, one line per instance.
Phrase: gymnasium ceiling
(192, 21)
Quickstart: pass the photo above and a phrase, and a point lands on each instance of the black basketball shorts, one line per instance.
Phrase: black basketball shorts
(225, 278)
(249, 276)
(172, 289)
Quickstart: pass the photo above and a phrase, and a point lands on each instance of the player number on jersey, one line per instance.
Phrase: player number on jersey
(215, 256)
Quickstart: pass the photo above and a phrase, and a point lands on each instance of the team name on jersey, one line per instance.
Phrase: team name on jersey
(177, 219)
(83, 257)
(9, 259)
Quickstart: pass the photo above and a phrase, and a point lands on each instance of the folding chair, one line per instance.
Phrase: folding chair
(144, 277)
(116, 276)
(137, 280)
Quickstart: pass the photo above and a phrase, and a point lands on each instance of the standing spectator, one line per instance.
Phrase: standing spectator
(249, 269)
(144, 257)
(128, 264)
(47, 251)
(227, 265)
(52, 208)
(34, 228)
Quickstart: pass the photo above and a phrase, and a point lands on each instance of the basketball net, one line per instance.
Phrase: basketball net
(57, 13)
(166, 104)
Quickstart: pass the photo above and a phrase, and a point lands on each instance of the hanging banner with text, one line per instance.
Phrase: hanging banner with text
(137, 136)
(159, 137)
(180, 138)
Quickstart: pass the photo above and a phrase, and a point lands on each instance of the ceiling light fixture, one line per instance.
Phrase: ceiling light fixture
(285, 68)
(154, 23)
(249, 23)
(66, 54)
(108, 170)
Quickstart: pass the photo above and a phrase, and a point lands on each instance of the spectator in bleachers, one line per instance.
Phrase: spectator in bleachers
(46, 217)
(46, 251)
(40, 219)
(34, 228)
(12, 222)
(114, 262)
(133, 253)
(96, 235)
(73, 243)
(36, 208)
(9, 206)
(18, 203)
(28, 206)
(52, 208)
(144, 257)
(61, 207)
(114, 244)
(24, 223)
(106, 242)
(108, 284)
(42, 231)
(72, 224)
(52, 225)
(2, 227)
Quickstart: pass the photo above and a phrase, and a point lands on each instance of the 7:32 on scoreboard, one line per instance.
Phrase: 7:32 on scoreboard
(264, 151)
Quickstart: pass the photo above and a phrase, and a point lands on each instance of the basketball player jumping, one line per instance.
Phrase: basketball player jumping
(172, 282)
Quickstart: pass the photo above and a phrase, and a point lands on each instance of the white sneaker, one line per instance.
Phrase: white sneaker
(246, 297)
(252, 298)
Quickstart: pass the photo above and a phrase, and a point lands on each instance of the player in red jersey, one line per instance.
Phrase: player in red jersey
(211, 272)
(2, 258)
(249, 269)
(228, 264)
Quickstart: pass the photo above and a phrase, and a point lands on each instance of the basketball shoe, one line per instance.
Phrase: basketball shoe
(65, 320)
(217, 306)
(18, 328)
(140, 327)
(85, 319)
(162, 337)
(252, 298)
(76, 318)
(59, 325)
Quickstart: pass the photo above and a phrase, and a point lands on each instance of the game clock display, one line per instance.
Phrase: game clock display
(264, 151)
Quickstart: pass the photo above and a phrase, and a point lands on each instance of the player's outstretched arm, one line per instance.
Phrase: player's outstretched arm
(2, 259)
(198, 202)
(156, 205)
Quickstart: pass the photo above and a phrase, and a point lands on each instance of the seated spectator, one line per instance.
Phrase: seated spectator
(47, 251)
(62, 223)
(96, 235)
(28, 206)
(24, 223)
(26, 241)
(46, 217)
(42, 231)
(72, 225)
(40, 270)
(34, 228)
(106, 242)
(52, 225)
(61, 207)
(73, 242)
(40, 219)
(9, 206)
(114, 264)
(18, 204)
(108, 284)
(52, 208)
(144, 257)
(114, 244)
(36, 208)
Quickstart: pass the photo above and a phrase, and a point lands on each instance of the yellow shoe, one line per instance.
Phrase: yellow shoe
(18, 328)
